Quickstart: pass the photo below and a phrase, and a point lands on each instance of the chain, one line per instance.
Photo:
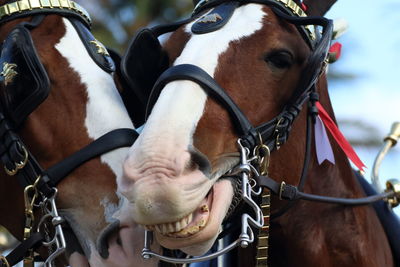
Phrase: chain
(262, 155)
(31, 194)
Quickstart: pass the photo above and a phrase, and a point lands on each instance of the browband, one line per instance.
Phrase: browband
(25, 8)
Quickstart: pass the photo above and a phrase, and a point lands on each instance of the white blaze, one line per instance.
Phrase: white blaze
(181, 103)
(105, 110)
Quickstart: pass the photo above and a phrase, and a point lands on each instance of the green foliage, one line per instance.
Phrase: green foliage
(116, 21)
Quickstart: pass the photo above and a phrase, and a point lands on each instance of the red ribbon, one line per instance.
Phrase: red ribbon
(340, 139)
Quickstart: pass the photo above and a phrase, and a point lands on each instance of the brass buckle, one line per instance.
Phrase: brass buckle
(4, 260)
(263, 160)
(393, 185)
(18, 165)
(281, 189)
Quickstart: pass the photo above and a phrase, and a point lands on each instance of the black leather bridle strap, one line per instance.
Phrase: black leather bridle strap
(195, 74)
(17, 255)
(112, 140)
(291, 193)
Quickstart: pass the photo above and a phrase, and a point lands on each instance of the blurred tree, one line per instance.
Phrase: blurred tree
(116, 21)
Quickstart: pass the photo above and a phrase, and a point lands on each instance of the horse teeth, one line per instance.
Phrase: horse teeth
(189, 218)
(149, 227)
(202, 223)
(158, 228)
(171, 227)
(204, 208)
(178, 226)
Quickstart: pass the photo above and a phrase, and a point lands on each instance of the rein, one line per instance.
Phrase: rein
(40, 184)
(256, 143)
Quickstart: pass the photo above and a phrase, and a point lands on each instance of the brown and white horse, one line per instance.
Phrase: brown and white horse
(172, 174)
(82, 105)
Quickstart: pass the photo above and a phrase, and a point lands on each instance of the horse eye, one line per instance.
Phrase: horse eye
(279, 59)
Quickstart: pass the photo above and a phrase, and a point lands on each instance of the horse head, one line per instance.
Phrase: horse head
(241, 70)
(58, 97)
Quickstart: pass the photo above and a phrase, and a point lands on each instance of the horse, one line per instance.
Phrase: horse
(235, 64)
(64, 135)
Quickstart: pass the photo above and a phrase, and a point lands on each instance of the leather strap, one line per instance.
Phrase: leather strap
(112, 140)
(291, 193)
(17, 255)
(202, 78)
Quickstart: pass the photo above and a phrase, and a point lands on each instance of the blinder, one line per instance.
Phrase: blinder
(24, 81)
(22, 94)
(144, 61)
(216, 19)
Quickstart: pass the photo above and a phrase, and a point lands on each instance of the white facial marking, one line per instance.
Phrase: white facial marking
(105, 109)
(202, 50)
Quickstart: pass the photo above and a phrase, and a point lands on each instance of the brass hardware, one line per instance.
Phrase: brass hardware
(100, 48)
(394, 134)
(18, 165)
(9, 72)
(29, 261)
(393, 185)
(263, 235)
(211, 18)
(4, 261)
(389, 141)
(29, 5)
(281, 189)
(262, 153)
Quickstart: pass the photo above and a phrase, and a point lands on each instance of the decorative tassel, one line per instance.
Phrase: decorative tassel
(322, 144)
(340, 139)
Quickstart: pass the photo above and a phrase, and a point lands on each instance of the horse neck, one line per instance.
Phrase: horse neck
(310, 231)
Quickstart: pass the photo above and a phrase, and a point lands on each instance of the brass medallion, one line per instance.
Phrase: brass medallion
(9, 72)
(100, 48)
(211, 18)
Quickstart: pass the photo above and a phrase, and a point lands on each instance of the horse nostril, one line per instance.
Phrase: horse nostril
(199, 161)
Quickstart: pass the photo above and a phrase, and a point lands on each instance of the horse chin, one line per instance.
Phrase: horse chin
(120, 246)
(199, 235)
(78, 260)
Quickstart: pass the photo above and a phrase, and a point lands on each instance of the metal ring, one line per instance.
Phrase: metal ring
(281, 189)
(4, 260)
(18, 165)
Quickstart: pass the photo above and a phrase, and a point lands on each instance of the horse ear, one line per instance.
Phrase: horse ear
(318, 7)
(142, 64)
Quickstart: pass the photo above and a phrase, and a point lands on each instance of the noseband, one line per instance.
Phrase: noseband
(256, 143)
(40, 184)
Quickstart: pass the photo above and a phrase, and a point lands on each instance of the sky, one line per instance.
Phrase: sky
(370, 53)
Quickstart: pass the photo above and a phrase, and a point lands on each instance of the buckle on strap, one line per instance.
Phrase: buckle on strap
(4, 261)
(18, 165)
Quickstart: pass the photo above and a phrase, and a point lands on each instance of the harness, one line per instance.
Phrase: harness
(25, 85)
(255, 143)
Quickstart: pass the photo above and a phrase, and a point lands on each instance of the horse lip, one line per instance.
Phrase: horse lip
(102, 242)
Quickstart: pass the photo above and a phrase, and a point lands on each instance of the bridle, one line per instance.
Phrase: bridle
(40, 184)
(256, 143)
